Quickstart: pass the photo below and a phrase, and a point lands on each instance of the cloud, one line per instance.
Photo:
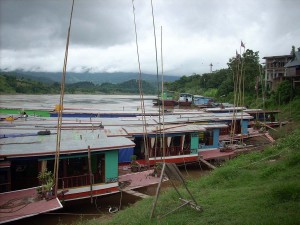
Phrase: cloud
(195, 33)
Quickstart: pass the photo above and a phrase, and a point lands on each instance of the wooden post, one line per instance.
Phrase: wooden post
(90, 173)
(158, 190)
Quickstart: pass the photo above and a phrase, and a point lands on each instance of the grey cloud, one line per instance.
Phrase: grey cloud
(195, 32)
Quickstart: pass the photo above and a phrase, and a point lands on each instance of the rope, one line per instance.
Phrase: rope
(96, 205)
(156, 61)
(120, 205)
(162, 92)
(61, 104)
(141, 90)
(185, 167)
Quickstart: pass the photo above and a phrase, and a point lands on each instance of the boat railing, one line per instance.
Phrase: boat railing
(4, 187)
(75, 181)
(172, 151)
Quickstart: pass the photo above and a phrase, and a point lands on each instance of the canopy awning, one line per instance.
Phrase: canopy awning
(24, 203)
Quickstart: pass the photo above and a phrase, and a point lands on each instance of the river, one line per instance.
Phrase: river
(77, 101)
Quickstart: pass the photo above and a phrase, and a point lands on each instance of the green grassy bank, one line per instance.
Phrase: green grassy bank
(31, 112)
(256, 188)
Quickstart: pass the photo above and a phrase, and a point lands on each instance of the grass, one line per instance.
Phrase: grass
(42, 113)
(256, 188)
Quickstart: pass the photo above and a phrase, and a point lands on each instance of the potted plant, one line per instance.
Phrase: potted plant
(134, 165)
(46, 180)
(157, 169)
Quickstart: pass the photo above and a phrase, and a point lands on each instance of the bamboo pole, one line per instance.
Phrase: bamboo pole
(90, 173)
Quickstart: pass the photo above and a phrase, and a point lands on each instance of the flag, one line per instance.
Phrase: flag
(242, 44)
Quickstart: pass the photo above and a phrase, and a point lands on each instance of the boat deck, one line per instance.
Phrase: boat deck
(216, 154)
(132, 181)
(20, 204)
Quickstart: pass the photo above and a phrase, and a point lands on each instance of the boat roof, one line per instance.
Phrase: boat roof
(176, 128)
(72, 142)
(168, 129)
(224, 109)
(185, 94)
(200, 96)
(261, 111)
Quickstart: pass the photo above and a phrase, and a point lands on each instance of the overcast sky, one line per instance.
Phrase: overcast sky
(195, 33)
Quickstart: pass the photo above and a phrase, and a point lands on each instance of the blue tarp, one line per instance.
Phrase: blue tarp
(125, 154)
(17, 135)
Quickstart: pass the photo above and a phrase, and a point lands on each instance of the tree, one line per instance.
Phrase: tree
(284, 92)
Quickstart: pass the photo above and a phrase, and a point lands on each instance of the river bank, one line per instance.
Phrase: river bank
(256, 188)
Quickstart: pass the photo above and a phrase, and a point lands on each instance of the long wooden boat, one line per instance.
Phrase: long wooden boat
(26, 157)
(176, 143)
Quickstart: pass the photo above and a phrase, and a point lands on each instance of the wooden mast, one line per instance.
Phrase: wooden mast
(61, 106)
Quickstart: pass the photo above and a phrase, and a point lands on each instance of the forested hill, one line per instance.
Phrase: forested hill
(14, 85)
(96, 78)
(220, 84)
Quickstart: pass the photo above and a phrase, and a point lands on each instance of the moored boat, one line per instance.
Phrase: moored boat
(167, 98)
(202, 101)
(185, 99)
(28, 156)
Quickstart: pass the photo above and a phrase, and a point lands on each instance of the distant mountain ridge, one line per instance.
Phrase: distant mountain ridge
(96, 78)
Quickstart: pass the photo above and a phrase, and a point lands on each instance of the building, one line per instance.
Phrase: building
(275, 71)
(293, 69)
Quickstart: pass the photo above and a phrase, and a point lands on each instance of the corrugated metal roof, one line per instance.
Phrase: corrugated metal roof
(71, 142)
(207, 126)
(111, 132)
(224, 109)
(167, 129)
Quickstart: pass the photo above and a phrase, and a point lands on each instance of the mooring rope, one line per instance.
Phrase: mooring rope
(157, 78)
(162, 92)
(141, 89)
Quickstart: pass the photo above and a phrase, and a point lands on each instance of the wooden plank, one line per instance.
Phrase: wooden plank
(137, 194)
(269, 137)
(207, 163)
(90, 173)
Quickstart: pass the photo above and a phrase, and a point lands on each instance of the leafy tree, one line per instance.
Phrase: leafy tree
(284, 93)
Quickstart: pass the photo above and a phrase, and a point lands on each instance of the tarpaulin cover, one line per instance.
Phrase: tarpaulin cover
(125, 154)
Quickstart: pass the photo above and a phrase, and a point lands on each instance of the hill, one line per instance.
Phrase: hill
(14, 84)
(96, 78)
